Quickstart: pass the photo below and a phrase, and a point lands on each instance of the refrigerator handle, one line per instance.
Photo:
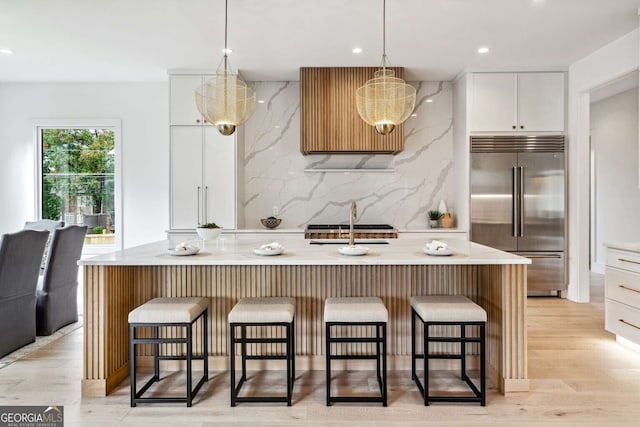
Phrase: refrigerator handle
(514, 203)
(521, 202)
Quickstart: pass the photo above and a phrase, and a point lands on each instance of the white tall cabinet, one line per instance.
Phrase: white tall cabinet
(204, 163)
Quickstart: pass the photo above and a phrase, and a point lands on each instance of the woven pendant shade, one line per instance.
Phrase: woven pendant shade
(385, 101)
(226, 101)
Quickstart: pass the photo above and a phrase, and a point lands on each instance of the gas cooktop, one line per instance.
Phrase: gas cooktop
(341, 231)
(346, 226)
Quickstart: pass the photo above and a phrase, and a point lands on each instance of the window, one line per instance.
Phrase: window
(77, 182)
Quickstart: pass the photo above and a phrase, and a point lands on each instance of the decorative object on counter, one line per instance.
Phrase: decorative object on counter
(385, 101)
(434, 216)
(446, 220)
(273, 248)
(438, 248)
(225, 100)
(209, 231)
(355, 250)
(184, 249)
(442, 207)
(271, 222)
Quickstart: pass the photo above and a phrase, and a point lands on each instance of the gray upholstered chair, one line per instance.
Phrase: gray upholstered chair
(20, 255)
(43, 224)
(57, 295)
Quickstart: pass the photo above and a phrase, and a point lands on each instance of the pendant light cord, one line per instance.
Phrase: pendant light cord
(384, 33)
(226, 61)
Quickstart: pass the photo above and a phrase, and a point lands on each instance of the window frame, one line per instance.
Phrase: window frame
(114, 125)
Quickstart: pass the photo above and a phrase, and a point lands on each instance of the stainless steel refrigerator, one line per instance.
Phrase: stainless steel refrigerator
(518, 187)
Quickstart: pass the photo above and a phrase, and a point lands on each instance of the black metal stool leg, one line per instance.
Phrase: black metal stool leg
(205, 343)
(413, 345)
(378, 359)
(243, 351)
(463, 353)
(156, 354)
(232, 363)
(288, 346)
(384, 364)
(189, 364)
(132, 364)
(483, 388)
(328, 356)
(425, 334)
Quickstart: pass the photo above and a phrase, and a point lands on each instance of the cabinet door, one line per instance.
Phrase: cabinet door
(541, 102)
(220, 178)
(183, 100)
(493, 104)
(186, 176)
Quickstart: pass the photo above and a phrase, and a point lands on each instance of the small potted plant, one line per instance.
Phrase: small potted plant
(208, 231)
(271, 222)
(434, 216)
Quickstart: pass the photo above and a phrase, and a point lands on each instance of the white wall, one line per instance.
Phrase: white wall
(143, 111)
(608, 63)
(614, 140)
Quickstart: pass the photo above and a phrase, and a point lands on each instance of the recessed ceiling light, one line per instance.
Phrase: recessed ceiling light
(414, 115)
(356, 50)
(277, 126)
(429, 100)
(483, 49)
(6, 51)
(260, 101)
(227, 51)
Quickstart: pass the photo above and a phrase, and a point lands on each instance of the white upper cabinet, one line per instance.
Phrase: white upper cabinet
(541, 102)
(494, 102)
(183, 100)
(518, 102)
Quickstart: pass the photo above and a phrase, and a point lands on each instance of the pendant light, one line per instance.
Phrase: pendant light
(385, 101)
(225, 100)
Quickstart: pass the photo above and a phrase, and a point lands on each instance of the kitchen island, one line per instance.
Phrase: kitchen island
(226, 270)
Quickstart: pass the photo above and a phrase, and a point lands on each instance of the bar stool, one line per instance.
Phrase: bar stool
(165, 312)
(448, 310)
(262, 312)
(358, 311)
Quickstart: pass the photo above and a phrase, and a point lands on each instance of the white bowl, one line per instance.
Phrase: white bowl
(353, 250)
(208, 233)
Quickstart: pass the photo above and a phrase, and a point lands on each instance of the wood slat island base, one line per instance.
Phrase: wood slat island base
(113, 288)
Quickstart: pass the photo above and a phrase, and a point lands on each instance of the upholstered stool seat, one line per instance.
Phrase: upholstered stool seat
(165, 312)
(448, 311)
(262, 312)
(357, 311)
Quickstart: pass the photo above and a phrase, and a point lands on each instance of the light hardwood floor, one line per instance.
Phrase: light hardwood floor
(579, 376)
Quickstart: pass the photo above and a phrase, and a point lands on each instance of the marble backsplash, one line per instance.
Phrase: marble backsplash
(274, 168)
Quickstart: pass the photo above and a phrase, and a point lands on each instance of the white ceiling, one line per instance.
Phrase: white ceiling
(139, 40)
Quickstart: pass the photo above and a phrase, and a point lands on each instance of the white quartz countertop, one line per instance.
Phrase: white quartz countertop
(632, 246)
(237, 249)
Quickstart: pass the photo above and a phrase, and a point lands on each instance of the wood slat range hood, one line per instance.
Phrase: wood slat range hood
(329, 120)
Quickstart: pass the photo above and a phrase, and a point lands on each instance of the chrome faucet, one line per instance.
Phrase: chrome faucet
(352, 218)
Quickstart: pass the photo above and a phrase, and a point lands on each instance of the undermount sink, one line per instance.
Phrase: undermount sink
(346, 242)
